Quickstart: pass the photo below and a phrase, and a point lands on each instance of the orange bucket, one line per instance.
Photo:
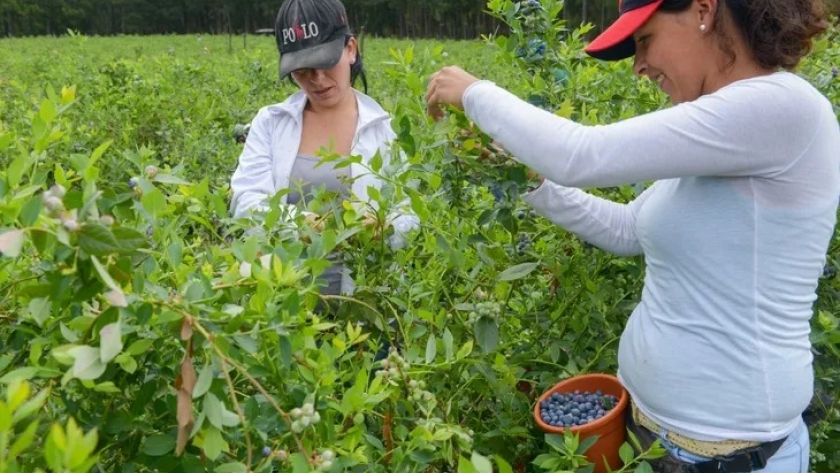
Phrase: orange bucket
(610, 429)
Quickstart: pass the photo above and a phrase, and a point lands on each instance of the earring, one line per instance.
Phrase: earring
(702, 27)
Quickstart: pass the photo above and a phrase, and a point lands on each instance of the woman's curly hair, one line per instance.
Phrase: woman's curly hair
(779, 33)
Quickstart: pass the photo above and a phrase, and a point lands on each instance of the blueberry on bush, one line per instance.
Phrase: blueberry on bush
(266, 451)
(577, 408)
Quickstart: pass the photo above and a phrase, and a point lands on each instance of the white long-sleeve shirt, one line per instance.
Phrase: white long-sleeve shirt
(734, 233)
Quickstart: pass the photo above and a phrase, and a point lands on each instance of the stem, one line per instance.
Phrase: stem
(256, 384)
(238, 412)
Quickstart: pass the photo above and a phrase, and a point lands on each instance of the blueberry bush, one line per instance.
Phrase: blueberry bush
(145, 330)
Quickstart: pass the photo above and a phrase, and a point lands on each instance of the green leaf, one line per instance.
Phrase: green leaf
(547, 461)
(213, 410)
(140, 346)
(154, 202)
(158, 445)
(235, 467)
(23, 440)
(130, 240)
(586, 444)
(299, 463)
(465, 350)
(448, 344)
(465, 466)
(487, 334)
(517, 272)
(626, 453)
(19, 374)
(431, 349)
(98, 152)
(205, 379)
(97, 240)
(170, 179)
(643, 467)
(39, 310)
(106, 387)
(213, 442)
(31, 406)
(11, 243)
(86, 363)
(481, 463)
(103, 274)
(30, 211)
(116, 298)
(110, 342)
(556, 442)
(504, 466)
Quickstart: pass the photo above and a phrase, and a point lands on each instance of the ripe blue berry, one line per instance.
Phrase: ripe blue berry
(573, 409)
(266, 451)
(132, 182)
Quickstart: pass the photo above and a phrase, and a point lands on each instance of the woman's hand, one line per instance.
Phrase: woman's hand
(314, 222)
(447, 87)
(371, 221)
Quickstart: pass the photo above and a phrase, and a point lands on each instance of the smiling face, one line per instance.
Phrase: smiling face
(674, 52)
(328, 88)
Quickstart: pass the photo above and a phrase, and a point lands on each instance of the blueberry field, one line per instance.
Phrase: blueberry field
(142, 329)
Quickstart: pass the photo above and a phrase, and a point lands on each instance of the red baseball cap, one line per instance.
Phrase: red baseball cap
(616, 42)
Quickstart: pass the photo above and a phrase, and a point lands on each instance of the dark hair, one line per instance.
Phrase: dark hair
(357, 69)
(778, 33)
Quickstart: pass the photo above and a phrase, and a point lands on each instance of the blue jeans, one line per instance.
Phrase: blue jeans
(792, 457)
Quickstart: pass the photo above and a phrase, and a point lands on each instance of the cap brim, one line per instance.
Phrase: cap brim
(323, 56)
(616, 42)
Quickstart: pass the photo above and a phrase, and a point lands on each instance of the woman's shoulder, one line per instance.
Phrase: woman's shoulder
(779, 89)
(291, 105)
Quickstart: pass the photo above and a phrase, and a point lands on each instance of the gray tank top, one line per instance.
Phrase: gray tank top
(304, 178)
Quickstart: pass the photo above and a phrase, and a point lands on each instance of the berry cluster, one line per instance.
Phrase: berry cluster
(53, 200)
(417, 391)
(393, 365)
(529, 6)
(281, 455)
(431, 424)
(577, 408)
(489, 309)
(303, 417)
(324, 461)
(524, 243)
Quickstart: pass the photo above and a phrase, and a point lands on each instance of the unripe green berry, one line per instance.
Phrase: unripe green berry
(70, 224)
(58, 191)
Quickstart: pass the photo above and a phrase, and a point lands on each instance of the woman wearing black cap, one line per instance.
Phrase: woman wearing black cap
(734, 230)
(285, 140)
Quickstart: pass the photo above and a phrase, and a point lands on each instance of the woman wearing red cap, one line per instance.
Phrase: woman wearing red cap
(734, 230)
(285, 142)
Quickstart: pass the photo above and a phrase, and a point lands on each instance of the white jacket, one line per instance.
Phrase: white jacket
(272, 145)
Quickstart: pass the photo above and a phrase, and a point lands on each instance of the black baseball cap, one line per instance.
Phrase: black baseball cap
(616, 42)
(310, 34)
